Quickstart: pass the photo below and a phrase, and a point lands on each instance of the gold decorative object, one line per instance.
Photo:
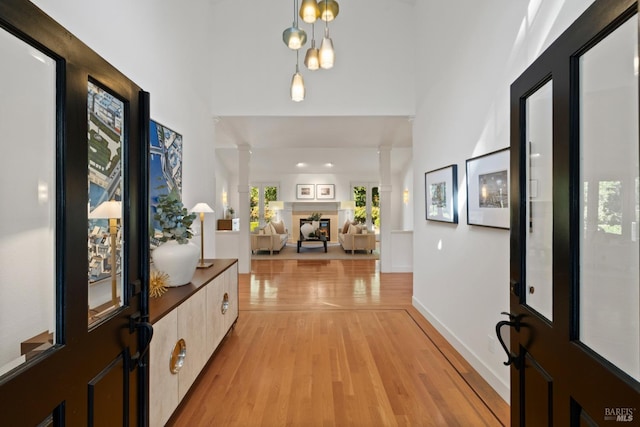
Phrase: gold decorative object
(158, 283)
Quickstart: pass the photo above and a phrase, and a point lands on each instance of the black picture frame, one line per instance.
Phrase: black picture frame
(441, 194)
(488, 178)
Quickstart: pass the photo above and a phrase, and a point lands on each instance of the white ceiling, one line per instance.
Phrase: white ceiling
(349, 143)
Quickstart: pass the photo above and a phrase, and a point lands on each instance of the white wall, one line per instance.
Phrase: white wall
(373, 73)
(407, 209)
(463, 111)
(159, 45)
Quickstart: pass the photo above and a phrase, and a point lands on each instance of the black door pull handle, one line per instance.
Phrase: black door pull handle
(145, 330)
(513, 322)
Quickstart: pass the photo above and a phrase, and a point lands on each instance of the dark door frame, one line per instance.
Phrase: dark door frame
(45, 385)
(573, 371)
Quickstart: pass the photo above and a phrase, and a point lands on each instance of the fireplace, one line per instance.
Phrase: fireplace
(325, 225)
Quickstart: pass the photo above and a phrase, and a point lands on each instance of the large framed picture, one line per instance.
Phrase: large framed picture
(305, 191)
(325, 191)
(441, 194)
(488, 189)
(165, 167)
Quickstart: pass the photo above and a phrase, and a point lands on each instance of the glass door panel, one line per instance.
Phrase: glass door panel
(609, 312)
(539, 176)
(375, 209)
(270, 195)
(105, 227)
(254, 208)
(28, 190)
(360, 197)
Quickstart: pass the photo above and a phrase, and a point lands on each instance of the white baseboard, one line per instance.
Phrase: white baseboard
(402, 269)
(489, 376)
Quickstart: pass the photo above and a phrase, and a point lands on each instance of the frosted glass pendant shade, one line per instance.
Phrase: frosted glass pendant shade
(312, 58)
(327, 54)
(329, 9)
(294, 37)
(297, 87)
(309, 11)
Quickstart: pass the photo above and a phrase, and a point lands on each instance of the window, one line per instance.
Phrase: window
(367, 198)
(261, 195)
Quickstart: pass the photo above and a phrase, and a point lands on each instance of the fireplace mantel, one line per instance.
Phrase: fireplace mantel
(317, 206)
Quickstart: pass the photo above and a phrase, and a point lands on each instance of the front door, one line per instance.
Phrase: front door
(575, 341)
(73, 221)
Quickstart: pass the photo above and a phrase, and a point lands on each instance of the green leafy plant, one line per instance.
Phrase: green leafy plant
(174, 218)
(315, 216)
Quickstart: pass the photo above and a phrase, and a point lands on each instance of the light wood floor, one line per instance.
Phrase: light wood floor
(335, 343)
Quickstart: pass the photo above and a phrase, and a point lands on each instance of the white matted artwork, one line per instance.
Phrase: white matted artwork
(305, 191)
(488, 179)
(325, 191)
(441, 194)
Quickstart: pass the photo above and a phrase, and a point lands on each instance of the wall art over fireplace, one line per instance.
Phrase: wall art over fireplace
(325, 191)
(305, 191)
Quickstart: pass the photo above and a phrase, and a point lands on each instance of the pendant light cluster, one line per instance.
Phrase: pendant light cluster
(295, 37)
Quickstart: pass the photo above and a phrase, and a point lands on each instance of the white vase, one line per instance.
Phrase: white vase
(306, 229)
(177, 261)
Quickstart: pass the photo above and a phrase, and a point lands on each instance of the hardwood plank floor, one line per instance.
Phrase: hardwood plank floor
(332, 343)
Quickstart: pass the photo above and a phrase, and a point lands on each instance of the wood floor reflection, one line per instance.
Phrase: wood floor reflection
(332, 343)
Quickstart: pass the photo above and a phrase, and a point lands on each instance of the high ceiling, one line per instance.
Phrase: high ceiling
(349, 143)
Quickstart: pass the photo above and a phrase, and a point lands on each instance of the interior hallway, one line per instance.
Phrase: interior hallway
(335, 342)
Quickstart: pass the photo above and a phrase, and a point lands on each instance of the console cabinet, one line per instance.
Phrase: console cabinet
(201, 314)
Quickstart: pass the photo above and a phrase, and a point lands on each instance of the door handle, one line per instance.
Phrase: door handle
(513, 322)
(145, 330)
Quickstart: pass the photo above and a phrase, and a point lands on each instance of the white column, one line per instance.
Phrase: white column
(384, 156)
(244, 246)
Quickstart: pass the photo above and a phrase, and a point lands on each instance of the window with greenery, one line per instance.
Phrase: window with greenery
(260, 196)
(367, 198)
(360, 197)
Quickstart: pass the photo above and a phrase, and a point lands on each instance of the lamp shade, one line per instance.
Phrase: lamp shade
(329, 9)
(327, 54)
(297, 87)
(201, 208)
(294, 37)
(276, 205)
(348, 205)
(312, 58)
(309, 11)
(111, 209)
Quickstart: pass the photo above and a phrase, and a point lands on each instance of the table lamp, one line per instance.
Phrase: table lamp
(348, 205)
(276, 206)
(111, 210)
(202, 208)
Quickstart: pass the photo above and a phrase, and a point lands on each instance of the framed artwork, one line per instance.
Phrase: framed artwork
(325, 191)
(305, 191)
(488, 189)
(165, 166)
(441, 194)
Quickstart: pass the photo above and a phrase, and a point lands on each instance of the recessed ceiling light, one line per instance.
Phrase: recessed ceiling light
(329, 165)
(301, 165)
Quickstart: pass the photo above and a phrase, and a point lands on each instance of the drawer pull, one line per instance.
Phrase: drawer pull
(177, 356)
(225, 303)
